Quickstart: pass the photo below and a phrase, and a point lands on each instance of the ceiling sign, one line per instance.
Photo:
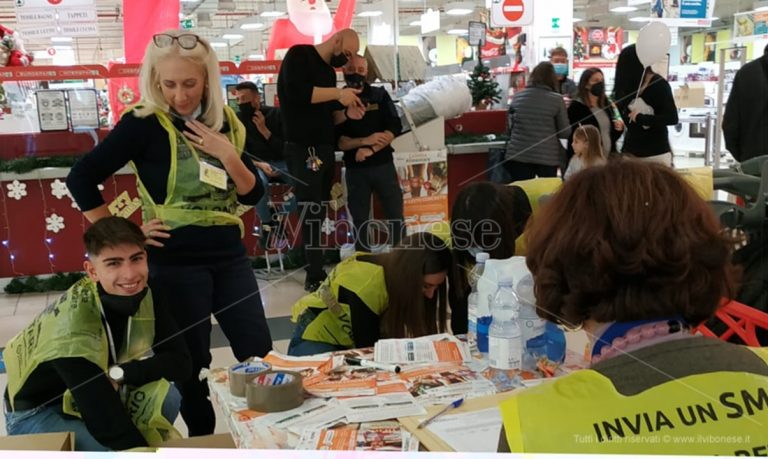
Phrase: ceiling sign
(49, 18)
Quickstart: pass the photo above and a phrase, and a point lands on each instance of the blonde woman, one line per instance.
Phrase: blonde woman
(185, 147)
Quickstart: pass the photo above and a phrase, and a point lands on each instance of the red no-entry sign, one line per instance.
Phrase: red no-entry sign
(513, 9)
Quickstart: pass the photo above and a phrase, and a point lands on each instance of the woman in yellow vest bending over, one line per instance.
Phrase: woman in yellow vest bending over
(632, 254)
(488, 217)
(366, 297)
(186, 148)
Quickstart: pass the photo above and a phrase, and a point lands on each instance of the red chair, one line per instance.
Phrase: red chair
(741, 320)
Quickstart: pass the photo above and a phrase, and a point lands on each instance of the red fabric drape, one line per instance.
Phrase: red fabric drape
(141, 20)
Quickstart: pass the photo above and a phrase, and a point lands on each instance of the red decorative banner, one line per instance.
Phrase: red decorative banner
(52, 72)
(251, 67)
(228, 68)
(124, 70)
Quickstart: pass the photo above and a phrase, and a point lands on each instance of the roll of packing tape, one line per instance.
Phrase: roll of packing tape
(241, 373)
(275, 391)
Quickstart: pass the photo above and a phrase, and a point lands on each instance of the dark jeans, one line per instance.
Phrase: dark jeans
(311, 188)
(362, 182)
(299, 346)
(227, 289)
(525, 171)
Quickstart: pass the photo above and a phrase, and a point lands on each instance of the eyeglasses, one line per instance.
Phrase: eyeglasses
(186, 41)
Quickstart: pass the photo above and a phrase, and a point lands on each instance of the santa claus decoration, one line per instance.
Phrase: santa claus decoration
(12, 52)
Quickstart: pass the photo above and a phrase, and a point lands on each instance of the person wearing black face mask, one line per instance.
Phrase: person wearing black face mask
(90, 343)
(306, 87)
(368, 156)
(592, 107)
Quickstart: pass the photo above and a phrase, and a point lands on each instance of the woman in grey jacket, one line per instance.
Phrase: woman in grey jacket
(538, 120)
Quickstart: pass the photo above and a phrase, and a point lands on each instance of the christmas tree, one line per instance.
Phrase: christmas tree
(483, 87)
(578, 47)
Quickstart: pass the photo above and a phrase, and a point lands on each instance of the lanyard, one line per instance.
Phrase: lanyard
(110, 339)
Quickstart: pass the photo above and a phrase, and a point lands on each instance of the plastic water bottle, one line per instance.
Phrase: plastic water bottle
(532, 327)
(472, 301)
(504, 338)
(540, 337)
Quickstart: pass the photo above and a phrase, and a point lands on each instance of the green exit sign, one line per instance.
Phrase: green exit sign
(555, 23)
(187, 23)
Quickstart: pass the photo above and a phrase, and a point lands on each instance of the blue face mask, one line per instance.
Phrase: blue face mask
(561, 69)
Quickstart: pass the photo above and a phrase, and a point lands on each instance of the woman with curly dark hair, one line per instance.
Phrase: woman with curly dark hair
(637, 269)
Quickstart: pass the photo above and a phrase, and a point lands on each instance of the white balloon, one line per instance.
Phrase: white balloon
(653, 43)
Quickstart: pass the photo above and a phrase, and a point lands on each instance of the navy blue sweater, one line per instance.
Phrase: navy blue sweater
(145, 142)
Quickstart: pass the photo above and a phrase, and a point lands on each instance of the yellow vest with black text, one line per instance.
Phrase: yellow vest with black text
(73, 327)
(188, 201)
(334, 324)
(534, 189)
(723, 413)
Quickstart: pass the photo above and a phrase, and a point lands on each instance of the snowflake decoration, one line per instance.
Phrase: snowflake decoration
(59, 189)
(54, 223)
(17, 190)
(329, 226)
(100, 187)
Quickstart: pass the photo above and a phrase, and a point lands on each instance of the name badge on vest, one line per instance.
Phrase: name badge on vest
(212, 175)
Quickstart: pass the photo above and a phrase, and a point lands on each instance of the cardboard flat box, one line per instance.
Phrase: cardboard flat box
(59, 441)
(690, 95)
(216, 441)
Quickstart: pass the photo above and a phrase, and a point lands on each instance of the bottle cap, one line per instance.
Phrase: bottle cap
(482, 257)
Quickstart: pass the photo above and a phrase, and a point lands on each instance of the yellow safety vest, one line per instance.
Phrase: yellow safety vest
(720, 413)
(73, 327)
(334, 324)
(188, 201)
(534, 189)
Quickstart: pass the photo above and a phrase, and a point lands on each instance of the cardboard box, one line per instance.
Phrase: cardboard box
(59, 441)
(216, 441)
(690, 95)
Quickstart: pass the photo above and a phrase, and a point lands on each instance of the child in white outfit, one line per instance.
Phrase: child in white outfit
(587, 149)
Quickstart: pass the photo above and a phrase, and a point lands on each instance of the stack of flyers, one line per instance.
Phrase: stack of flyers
(369, 436)
(381, 407)
(305, 365)
(429, 349)
(434, 384)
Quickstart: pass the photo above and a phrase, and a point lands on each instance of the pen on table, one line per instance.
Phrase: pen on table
(450, 406)
(372, 364)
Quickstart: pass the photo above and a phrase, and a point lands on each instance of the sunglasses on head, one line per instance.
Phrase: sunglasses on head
(186, 41)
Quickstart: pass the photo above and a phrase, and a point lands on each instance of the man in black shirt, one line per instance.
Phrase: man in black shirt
(306, 88)
(368, 156)
(264, 143)
(746, 114)
(107, 338)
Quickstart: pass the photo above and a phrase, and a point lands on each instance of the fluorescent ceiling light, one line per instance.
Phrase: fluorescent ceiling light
(370, 14)
(189, 1)
(252, 26)
(639, 19)
(219, 44)
(457, 32)
(575, 20)
(232, 36)
(61, 39)
(370, 10)
(459, 9)
(272, 14)
(761, 9)
(414, 23)
(62, 47)
(256, 57)
(623, 9)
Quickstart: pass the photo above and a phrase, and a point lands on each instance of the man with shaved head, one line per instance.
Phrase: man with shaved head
(308, 97)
